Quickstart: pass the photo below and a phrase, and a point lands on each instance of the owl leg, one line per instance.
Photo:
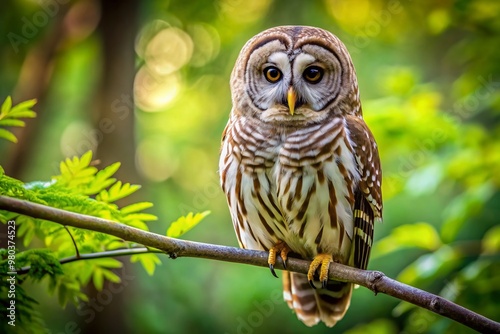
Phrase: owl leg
(280, 248)
(321, 261)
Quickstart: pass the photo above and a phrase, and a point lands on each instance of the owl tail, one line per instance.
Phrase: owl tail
(313, 305)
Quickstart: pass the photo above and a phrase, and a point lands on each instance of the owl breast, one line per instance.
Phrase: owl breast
(291, 185)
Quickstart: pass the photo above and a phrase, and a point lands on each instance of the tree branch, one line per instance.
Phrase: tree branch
(99, 255)
(373, 280)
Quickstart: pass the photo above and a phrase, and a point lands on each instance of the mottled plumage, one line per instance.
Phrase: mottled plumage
(298, 165)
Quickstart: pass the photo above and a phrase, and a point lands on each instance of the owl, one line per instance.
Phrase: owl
(299, 166)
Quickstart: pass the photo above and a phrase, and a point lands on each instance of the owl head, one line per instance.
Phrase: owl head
(294, 75)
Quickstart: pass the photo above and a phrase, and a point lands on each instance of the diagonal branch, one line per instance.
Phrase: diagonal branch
(373, 280)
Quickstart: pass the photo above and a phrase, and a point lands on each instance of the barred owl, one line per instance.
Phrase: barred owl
(299, 166)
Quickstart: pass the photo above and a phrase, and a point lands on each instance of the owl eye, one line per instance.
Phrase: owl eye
(272, 74)
(313, 74)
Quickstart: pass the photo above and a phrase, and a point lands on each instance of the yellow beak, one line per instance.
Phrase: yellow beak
(291, 98)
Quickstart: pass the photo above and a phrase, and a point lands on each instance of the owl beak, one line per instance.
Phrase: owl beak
(292, 99)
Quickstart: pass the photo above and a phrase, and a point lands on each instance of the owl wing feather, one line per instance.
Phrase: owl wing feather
(368, 198)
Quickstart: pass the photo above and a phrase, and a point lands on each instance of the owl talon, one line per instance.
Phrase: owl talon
(272, 271)
(283, 250)
(284, 254)
(311, 283)
(321, 261)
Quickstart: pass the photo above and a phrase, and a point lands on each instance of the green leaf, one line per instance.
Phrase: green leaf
(107, 262)
(8, 135)
(117, 191)
(141, 216)
(63, 168)
(148, 261)
(109, 171)
(136, 207)
(420, 235)
(12, 122)
(62, 293)
(42, 262)
(85, 160)
(98, 278)
(102, 179)
(138, 224)
(185, 223)
(96, 186)
(23, 107)
(85, 272)
(87, 172)
(6, 105)
(26, 229)
(8, 115)
(116, 244)
(23, 114)
(111, 276)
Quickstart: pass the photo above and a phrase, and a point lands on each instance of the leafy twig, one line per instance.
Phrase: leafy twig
(99, 255)
(373, 280)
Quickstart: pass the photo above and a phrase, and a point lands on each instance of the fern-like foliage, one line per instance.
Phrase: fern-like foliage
(25, 305)
(82, 188)
(10, 116)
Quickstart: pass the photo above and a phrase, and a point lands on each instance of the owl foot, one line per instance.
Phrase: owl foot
(321, 261)
(283, 250)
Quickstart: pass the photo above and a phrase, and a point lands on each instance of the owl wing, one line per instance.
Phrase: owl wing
(368, 194)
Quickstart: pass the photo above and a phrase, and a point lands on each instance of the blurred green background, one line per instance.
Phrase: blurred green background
(146, 83)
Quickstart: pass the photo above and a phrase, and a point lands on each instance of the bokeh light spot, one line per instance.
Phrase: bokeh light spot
(349, 14)
(168, 51)
(206, 43)
(153, 92)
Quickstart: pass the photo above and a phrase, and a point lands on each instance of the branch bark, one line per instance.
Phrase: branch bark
(373, 280)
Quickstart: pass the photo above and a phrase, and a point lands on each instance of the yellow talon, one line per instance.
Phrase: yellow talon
(283, 250)
(323, 262)
(284, 254)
